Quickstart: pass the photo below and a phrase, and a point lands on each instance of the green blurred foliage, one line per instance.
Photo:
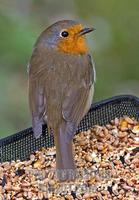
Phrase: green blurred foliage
(114, 46)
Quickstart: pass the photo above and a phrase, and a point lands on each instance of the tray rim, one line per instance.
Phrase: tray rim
(94, 106)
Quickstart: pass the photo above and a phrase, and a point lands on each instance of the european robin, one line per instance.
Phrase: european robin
(61, 87)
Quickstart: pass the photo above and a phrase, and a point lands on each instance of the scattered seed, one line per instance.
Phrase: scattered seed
(129, 120)
(37, 164)
(122, 134)
(135, 129)
(88, 158)
(122, 159)
(115, 189)
(20, 172)
(4, 180)
(32, 157)
(107, 158)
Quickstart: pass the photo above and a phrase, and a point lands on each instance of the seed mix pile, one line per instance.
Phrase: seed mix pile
(107, 160)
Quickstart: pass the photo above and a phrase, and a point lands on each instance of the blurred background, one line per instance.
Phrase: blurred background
(114, 46)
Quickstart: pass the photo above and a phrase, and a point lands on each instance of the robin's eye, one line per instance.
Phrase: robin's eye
(64, 34)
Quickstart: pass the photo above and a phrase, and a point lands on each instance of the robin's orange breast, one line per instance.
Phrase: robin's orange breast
(74, 43)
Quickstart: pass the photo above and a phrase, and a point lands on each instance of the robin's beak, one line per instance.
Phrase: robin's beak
(86, 30)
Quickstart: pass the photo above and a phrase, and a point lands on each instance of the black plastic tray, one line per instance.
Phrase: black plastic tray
(22, 144)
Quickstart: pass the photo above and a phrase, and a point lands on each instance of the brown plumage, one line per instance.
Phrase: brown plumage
(61, 84)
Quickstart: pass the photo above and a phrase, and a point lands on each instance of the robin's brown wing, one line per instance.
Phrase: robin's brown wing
(36, 102)
(36, 92)
(46, 82)
(79, 96)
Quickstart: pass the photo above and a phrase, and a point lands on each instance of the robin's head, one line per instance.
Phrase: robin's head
(66, 36)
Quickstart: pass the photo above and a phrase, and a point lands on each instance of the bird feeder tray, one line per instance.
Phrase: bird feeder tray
(21, 145)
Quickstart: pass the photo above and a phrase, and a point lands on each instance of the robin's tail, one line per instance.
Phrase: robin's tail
(65, 166)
